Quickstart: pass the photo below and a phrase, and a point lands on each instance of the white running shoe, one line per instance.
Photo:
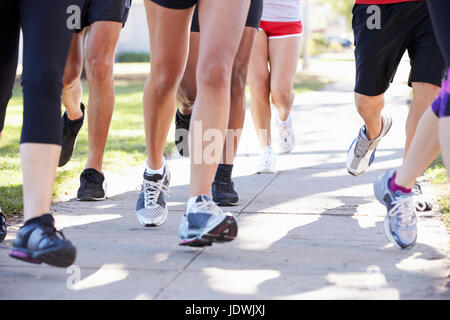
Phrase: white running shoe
(266, 161)
(151, 207)
(362, 150)
(287, 136)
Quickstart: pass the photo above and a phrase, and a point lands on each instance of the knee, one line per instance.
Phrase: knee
(165, 81)
(282, 95)
(216, 72)
(368, 104)
(100, 68)
(44, 82)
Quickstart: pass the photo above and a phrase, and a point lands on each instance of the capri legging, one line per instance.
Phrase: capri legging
(46, 41)
(440, 15)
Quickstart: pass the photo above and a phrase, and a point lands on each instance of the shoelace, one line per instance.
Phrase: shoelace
(405, 209)
(209, 206)
(362, 146)
(286, 134)
(151, 191)
(52, 233)
(266, 157)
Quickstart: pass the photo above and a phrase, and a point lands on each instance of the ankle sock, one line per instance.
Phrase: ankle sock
(149, 170)
(285, 122)
(395, 187)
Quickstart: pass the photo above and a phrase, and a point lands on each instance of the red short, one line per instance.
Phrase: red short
(278, 30)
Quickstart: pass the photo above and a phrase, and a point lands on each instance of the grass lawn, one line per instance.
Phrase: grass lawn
(438, 176)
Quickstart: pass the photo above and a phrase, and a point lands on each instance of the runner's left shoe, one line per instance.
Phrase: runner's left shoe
(71, 128)
(400, 224)
(182, 133)
(38, 241)
(361, 153)
(92, 186)
(151, 207)
(422, 204)
(204, 223)
(287, 136)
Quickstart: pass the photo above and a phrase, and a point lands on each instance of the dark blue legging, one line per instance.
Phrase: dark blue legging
(46, 42)
(440, 15)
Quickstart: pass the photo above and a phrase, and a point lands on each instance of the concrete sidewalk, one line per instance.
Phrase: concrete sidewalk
(310, 231)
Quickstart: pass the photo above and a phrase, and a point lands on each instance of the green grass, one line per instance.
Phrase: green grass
(437, 173)
(126, 145)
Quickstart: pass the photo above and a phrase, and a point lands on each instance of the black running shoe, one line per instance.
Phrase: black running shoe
(3, 229)
(38, 241)
(70, 133)
(182, 133)
(422, 204)
(92, 186)
(222, 190)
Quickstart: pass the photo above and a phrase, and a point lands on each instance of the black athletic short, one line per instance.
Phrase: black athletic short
(404, 26)
(176, 4)
(104, 10)
(253, 18)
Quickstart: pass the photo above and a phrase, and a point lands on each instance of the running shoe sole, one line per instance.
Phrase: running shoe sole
(91, 199)
(61, 257)
(225, 231)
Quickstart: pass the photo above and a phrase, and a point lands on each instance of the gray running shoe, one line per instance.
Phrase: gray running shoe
(362, 150)
(400, 224)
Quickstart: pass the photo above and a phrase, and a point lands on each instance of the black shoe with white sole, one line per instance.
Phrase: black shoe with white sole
(92, 186)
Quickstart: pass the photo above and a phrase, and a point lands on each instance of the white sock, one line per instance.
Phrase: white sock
(152, 171)
(285, 121)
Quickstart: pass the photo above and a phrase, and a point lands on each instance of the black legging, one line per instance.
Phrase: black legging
(46, 42)
(440, 15)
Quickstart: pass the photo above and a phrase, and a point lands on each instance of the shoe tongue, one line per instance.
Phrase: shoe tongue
(152, 177)
(47, 219)
(202, 198)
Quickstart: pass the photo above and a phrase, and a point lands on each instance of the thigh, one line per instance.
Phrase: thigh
(46, 42)
(258, 72)
(169, 37)
(378, 52)
(102, 40)
(427, 62)
(284, 54)
(439, 10)
(221, 24)
(9, 38)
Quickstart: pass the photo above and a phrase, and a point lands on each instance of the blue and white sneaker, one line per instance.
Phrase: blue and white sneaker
(151, 208)
(204, 223)
(362, 150)
(400, 225)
